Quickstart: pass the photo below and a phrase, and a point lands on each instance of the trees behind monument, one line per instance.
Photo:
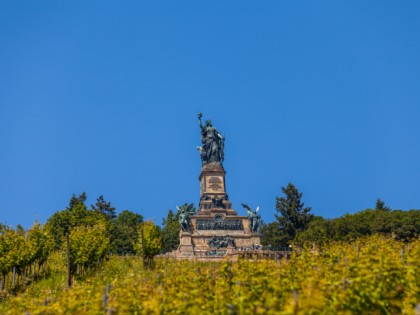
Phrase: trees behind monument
(121, 229)
(296, 225)
(402, 225)
(292, 218)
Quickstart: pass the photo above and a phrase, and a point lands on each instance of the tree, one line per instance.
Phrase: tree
(88, 245)
(293, 216)
(104, 208)
(406, 224)
(316, 233)
(272, 235)
(129, 218)
(380, 205)
(170, 232)
(41, 243)
(124, 232)
(20, 249)
(77, 200)
(76, 214)
(403, 225)
(149, 240)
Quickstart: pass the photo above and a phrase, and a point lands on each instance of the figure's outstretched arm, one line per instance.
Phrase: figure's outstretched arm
(199, 120)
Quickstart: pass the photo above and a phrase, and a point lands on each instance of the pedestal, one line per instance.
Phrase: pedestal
(185, 248)
(217, 230)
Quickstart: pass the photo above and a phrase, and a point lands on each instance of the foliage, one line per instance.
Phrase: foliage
(121, 229)
(104, 208)
(75, 215)
(21, 252)
(373, 275)
(380, 205)
(40, 242)
(403, 225)
(365, 262)
(19, 249)
(170, 232)
(149, 240)
(317, 232)
(129, 218)
(293, 216)
(88, 246)
(74, 200)
(123, 232)
(13, 252)
(271, 234)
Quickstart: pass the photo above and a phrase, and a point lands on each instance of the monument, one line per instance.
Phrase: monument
(216, 230)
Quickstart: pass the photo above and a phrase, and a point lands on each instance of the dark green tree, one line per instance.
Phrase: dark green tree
(104, 207)
(272, 235)
(170, 232)
(293, 216)
(406, 224)
(74, 200)
(124, 232)
(130, 218)
(317, 232)
(380, 205)
(403, 225)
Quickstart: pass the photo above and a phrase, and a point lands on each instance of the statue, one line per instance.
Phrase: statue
(230, 241)
(212, 149)
(253, 217)
(184, 216)
(221, 241)
(217, 202)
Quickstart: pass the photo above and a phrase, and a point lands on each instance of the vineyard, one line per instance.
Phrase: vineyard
(372, 275)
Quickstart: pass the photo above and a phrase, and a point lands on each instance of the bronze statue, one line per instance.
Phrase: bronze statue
(221, 241)
(184, 216)
(212, 149)
(253, 217)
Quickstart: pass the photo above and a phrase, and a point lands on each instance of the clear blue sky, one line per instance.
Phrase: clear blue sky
(103, 96)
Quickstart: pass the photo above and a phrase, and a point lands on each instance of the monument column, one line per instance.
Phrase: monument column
(213, 194)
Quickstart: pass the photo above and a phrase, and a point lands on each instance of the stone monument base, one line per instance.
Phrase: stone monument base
(211, 245)
(216, 231)
(185, 248)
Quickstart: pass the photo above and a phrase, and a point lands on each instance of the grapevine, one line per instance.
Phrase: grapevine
(373, 275)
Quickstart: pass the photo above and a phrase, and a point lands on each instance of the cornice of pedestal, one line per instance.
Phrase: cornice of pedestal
(214, 169)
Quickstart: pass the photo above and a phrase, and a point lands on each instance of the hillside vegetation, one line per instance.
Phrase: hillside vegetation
(373, 275)
(363, 263)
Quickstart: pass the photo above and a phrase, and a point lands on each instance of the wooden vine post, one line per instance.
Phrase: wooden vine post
(68, 259)
(142, 247)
